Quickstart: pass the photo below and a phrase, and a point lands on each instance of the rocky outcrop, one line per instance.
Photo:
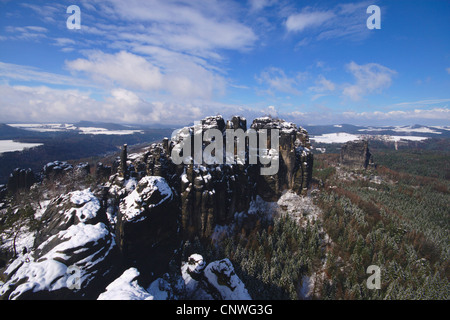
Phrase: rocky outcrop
(56, 168)
(295, 160)
(102, 171)
(195, 280)
(356, 154)
(20, 179)
(123, 167)
(210, 194)
(147, 225)
(82, 170)
(217, 280)
(72, 252)
(126, 287)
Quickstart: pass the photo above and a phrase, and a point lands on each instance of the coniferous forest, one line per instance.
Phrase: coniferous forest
(397, 220)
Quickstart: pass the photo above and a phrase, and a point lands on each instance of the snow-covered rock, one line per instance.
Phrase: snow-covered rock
(126, 287)
(195, 264)
(147, 223)
(149, 193)
(68, 260)
(69, 252)
(217, 280)
(221, 276)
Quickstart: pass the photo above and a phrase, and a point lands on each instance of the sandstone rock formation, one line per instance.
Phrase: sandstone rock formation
(296, 160)
(73, 247)
(56, 168)
(102, 171)
(217, 280)
(356, 154)
(210, 194)
(147, 224)
(20, 179)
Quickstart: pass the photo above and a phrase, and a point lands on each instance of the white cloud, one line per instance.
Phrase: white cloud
(442, 114)
(22, 103)
(257, 5)
(433, 116)
(370, 78)
(421, 102)
(125, 96)
(198, 27)
(28, 33)
(10, 71)
(306, 19)
(278, 81)
(44, 104)
(123, 69)
(165, 73)
(62, 42)
(448, 70)
(48, 13)
(168, 50)
(347, 21)
(323, 87)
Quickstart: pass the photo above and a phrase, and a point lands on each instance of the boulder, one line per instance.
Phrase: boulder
(126, 287)
(222, 277)
(217, 280)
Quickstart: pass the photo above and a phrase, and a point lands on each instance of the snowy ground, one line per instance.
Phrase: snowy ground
(343, 137)
(61, 127)
(43, 127)
(92, 130)
(338, 137)
(11, 146)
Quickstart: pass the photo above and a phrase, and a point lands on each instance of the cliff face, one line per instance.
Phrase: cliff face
(210, 194)
(356, 154)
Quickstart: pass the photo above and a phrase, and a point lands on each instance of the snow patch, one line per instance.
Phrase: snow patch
(222, 276)
(96, 131)
(338, 137)
(133, 205)
(49, 272)
(87, 205)
(125, 287)
(12, 146)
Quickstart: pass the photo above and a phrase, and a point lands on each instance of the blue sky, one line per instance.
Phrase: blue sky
(174, 62)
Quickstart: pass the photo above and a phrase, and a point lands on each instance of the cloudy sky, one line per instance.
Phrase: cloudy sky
(174, 62)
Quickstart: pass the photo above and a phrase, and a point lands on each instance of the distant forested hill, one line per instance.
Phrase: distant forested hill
(69, 145)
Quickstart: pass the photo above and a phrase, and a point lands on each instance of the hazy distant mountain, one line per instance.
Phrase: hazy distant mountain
(415, 130)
